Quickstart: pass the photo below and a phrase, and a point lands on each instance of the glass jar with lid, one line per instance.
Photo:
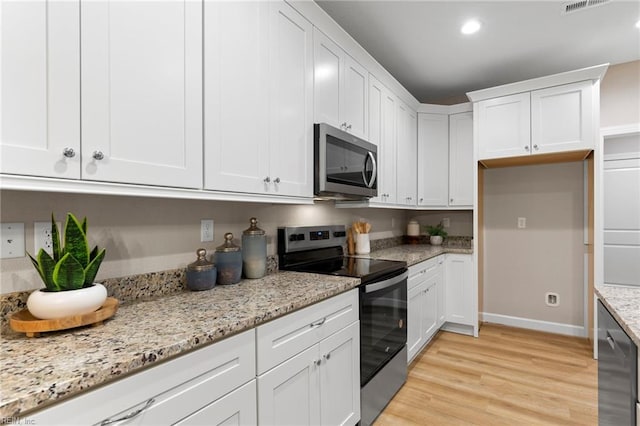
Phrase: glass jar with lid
(228, 261)
(254, 251)
(201, 274)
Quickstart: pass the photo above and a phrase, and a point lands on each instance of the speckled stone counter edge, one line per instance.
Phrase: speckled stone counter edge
(624, 307)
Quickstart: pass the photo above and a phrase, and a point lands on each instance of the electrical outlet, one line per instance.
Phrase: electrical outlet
(522, 222)
(206, 230)
(446, 222)
(42, 236)
(12, 238)
(552, 299)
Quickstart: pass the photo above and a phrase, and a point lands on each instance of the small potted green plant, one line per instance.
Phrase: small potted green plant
(68, 274)
(436, 234)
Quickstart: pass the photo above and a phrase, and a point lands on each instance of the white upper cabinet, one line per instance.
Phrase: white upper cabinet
(236, 64)
(40, 88)
(290, 102)
(260, 51)
(407, 149)
(549, 120)
(141, 77)
(433, 160)
(562, 118)
(382, 132)
(341, 88)
(461, 159)
(503, 126)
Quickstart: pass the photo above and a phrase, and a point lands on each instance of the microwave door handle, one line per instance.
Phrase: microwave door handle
(374, 172)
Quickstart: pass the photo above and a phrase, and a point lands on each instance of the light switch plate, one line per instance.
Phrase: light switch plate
(12, 238)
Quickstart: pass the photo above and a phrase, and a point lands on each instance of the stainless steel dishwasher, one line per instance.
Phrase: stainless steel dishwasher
(617, 372)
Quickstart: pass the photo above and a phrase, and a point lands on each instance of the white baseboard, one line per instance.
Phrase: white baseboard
(531, 324)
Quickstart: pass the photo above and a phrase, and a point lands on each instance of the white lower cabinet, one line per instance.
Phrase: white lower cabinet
(213, 383)
(309, 365)
(424, 303)
(461, 296)
(321, 385)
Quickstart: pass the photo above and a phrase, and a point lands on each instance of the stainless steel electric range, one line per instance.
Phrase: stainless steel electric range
(383, 306)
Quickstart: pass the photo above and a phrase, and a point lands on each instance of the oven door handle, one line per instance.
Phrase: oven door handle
(369, 288)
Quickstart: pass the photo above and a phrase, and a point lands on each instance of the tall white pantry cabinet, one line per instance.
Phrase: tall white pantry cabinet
(110, 91)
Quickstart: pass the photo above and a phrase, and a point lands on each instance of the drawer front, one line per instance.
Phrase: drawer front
(422, 271)
(178, 387)
(237, 408)
(285, 337)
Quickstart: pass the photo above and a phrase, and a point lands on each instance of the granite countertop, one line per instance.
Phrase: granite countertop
(624, 305)
(39, 371)
(416, 253)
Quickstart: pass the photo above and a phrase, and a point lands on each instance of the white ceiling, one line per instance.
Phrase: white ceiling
(420, 44)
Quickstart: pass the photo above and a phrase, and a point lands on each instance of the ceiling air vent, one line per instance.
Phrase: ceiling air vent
(581, 5)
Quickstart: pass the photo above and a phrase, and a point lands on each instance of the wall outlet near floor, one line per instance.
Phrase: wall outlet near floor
(42, 236)
(12, 236)
(446, 222)
(552, 299)
(206, 230)
(522, 222)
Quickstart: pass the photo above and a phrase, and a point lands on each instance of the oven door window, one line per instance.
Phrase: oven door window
(383, 327)
(350, 164)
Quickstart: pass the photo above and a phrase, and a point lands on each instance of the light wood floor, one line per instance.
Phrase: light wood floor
(507, 376)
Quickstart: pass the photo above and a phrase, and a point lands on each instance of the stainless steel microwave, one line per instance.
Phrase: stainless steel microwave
(345, 165)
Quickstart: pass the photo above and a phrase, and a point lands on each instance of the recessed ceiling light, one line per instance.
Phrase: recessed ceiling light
(471, 26)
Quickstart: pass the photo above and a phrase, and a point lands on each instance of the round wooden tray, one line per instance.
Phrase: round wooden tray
(24, 322)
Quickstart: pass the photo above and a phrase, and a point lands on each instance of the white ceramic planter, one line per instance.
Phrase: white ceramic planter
(435, 240)
(60, 304)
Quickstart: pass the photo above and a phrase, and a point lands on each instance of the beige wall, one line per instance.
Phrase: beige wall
(151, 234)
(620, 95)
(461, 220)
(521, 265)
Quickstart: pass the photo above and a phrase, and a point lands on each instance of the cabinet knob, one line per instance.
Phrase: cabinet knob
(327, 356)
(276, 180)
(267, 179)
(535, 147)
(451, 200)
(343, 126)
(68, 152)
(349, 127)
(317, 362)
(526, 147)
(421, 199)
(98, 155)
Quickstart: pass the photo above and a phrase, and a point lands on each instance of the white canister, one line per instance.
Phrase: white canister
(413, 228)
(362, 244)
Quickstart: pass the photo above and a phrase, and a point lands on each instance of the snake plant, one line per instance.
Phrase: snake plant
(72, 266)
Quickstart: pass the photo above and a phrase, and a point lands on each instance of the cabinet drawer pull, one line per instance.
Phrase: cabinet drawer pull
(128, 416)
(318, 323)
(267, 179)
(68, 152)
(98, 155)
(276, 180)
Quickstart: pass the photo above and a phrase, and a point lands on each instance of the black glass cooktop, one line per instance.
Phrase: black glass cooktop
(364, 268)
